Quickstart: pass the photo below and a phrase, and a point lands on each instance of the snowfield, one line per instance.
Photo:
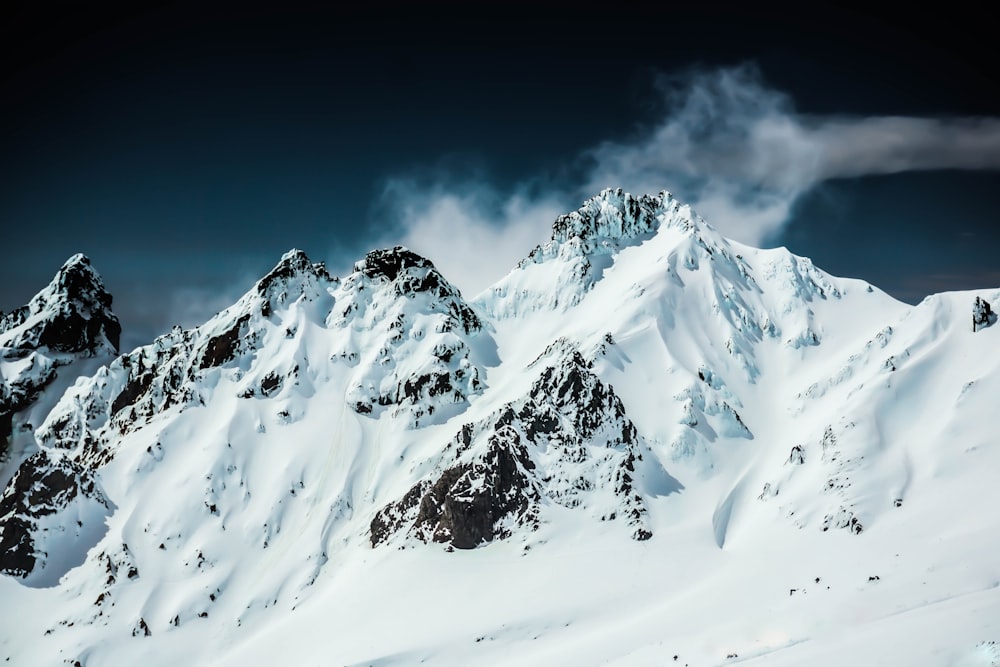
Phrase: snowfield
(646, 445)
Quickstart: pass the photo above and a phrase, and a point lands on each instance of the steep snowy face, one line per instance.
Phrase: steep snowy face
(567, 443)
(69, 320)
(408, 336)
(85, 429)
(873, 419)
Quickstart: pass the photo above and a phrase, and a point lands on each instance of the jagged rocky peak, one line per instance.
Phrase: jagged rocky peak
(388, 263)
(568, 441)
(67, 321)
(613, 218)
(613, 214)
(408, 275)
(72, 314)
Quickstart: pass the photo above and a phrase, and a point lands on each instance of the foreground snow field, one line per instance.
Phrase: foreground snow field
(646, 445)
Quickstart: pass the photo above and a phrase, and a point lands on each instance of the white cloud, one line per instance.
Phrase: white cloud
(473, 235)
(728, 144)
(739, 152)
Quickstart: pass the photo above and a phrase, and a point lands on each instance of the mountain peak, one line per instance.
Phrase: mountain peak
(71, 314)
(612, 220)
(614, 215)
(585, 243)
(293, 263)
(294, 275)
(68, 321)
(626, 423)
(78, 280)
(408, 274)
(388, 263)
(77, 259)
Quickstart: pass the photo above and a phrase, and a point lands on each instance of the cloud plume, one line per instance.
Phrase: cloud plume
(725, 142)
(473, 233)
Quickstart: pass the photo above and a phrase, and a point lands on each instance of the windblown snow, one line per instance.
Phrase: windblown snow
(646, 445)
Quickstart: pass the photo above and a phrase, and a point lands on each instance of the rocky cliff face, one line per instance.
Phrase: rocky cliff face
(567, 442)
(44, 493)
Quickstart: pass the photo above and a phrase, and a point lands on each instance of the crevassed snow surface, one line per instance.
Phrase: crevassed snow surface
(815, 463)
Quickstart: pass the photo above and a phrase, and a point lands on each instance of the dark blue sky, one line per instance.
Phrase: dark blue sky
(185, 146)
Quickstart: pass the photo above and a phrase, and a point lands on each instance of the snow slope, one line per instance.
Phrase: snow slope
(646, 441)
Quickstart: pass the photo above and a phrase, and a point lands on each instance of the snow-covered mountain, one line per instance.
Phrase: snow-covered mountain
(647, 444)
(66, 322)
(65, 331)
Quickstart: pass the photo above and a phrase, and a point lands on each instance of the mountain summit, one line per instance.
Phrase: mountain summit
(72, 314)
(646, 444)
(67, 323)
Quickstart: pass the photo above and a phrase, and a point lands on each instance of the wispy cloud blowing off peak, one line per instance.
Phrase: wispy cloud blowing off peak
(727, 143)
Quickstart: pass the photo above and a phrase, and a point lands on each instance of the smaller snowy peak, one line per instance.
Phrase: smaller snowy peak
(247, 350)
(294, 276)
(409, 336)
(407, 274)
(72, 314)
(795, 279)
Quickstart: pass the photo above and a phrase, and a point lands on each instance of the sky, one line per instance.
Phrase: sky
(185, 146)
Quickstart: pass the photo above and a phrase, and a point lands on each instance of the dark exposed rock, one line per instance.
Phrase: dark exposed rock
(389, 263)
(6, 428)
(982, 314)
(435, 384)
(141, 629)
(843, 518)
(222, 348)
(797, 456)
(42, 486)
(568, 436)
(270, 383)
(466, 505)
(135, 388)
